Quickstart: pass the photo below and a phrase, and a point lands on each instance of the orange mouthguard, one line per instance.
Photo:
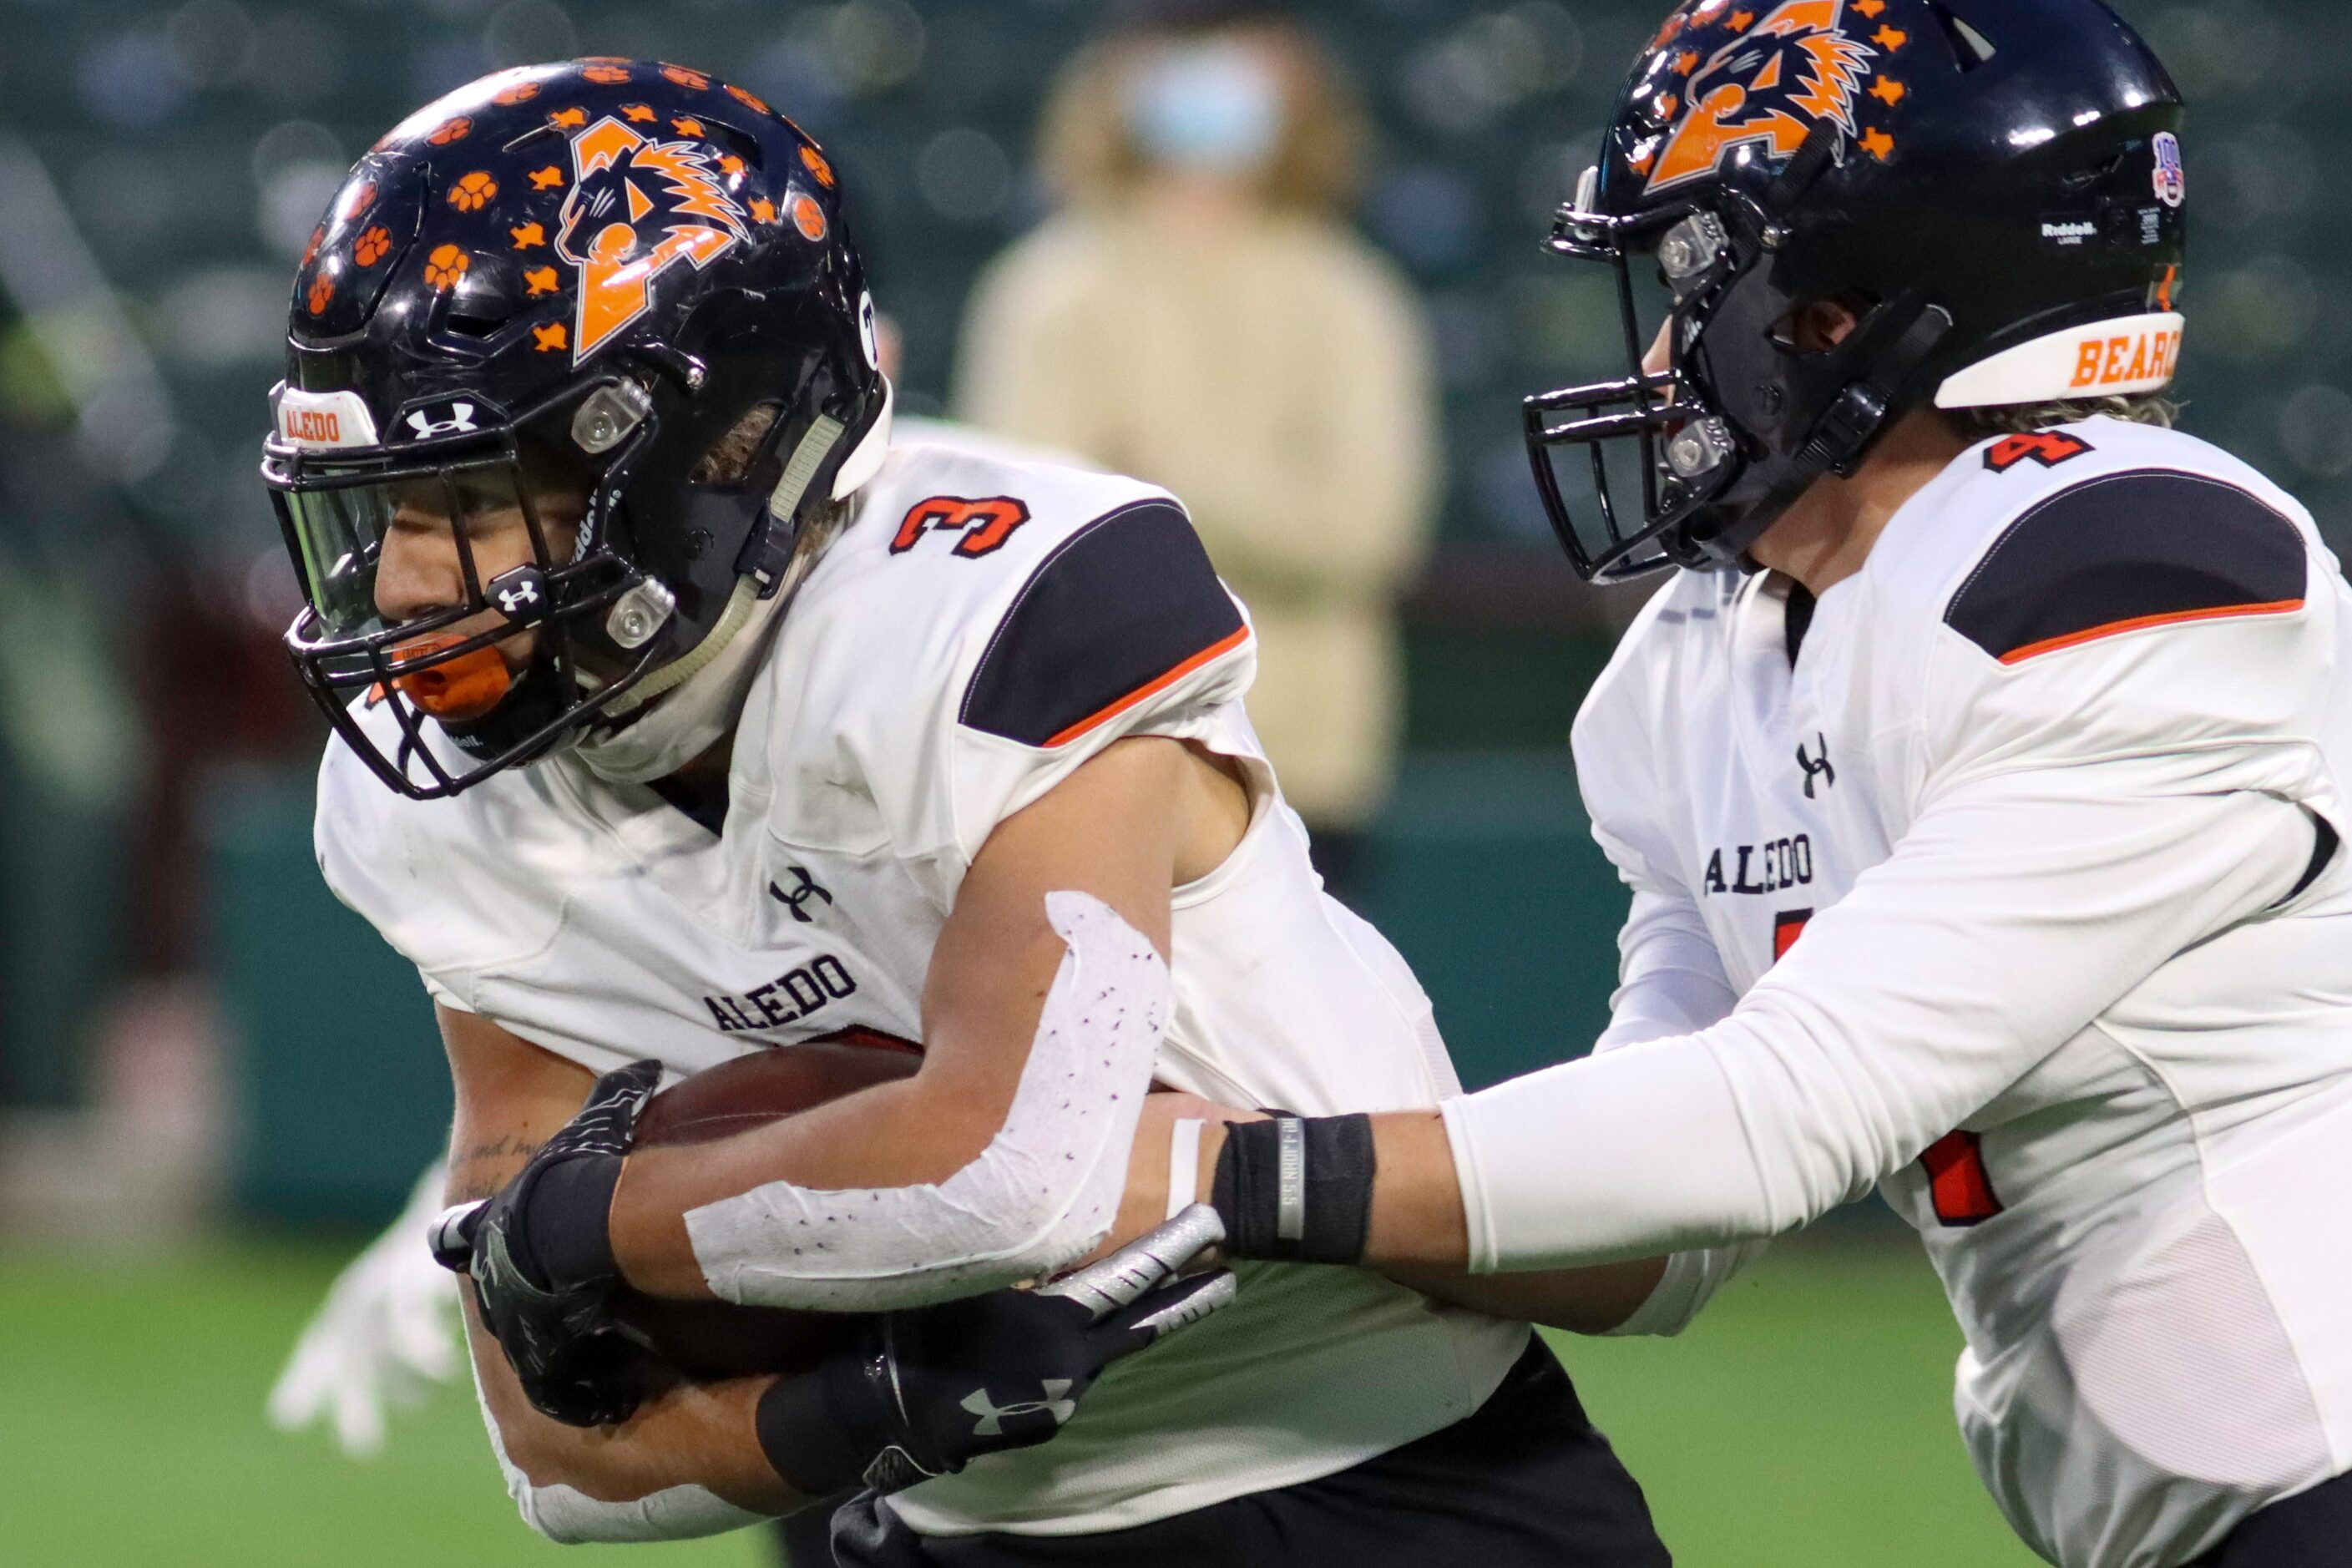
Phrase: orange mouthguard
(460, 691)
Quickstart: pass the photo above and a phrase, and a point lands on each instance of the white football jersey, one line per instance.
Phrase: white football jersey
(979, 631)
(2057, 712)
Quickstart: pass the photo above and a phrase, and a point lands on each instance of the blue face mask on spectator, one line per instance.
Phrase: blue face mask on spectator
(1207, 108)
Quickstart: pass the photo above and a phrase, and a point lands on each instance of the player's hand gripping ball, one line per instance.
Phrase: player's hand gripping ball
(541, 1260)
(924, 1392)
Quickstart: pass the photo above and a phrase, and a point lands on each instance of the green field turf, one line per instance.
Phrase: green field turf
(1805, 1422)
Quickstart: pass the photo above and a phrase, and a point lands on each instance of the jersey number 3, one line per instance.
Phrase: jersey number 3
(984, 524)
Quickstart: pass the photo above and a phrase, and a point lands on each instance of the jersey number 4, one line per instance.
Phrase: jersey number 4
(1957, 1182)
(984, 524)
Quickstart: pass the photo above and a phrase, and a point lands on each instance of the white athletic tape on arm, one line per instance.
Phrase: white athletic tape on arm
(1043, 1193)
(570, 1517)
(1184, 1165)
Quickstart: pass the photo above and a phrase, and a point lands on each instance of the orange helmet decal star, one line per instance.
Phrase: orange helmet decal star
(636, 208)
(1772, 86)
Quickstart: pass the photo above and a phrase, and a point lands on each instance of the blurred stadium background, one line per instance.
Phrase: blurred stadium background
(214, 1080)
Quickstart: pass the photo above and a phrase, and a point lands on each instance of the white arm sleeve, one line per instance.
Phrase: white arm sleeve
(1043, 1193)
(1671, 982)
(570, 1517)
(2015, 910)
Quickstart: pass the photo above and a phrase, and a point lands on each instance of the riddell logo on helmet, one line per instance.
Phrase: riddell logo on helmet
(1770, 86)
(637, 207)
(2127, 360)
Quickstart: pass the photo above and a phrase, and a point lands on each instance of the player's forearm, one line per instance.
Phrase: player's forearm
(893, 1135)
(596, 1483)
(1581, 1301)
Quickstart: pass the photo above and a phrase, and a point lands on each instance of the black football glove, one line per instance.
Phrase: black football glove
(541, 1256)
(927, 1390)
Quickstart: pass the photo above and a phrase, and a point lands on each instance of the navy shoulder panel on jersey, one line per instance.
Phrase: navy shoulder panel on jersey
(1122, 609)
(2123, 552)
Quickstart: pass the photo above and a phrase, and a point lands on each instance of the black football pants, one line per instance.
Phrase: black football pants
(2311, 1531)
(1524, 1482)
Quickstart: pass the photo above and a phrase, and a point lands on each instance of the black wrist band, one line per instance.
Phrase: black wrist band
(803, 1438)
(571, 1221)
(1297, 1190)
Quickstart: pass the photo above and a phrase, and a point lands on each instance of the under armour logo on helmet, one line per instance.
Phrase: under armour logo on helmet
(460, 422)
(991, 1414)
(519, 594)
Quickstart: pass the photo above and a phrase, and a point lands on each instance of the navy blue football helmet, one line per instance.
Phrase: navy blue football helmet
(1992, 189)
(582, 276)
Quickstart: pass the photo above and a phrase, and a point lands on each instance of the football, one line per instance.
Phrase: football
(705, 1341)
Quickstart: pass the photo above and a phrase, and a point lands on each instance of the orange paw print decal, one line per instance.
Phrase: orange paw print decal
(540, 281)
(762, 210)
(548, 179)
(569, 119)
(551, 338)
(817, 165)
(688, 126)
(809, 218)
(522, 92)
(638, 113)
(608, 75)
(473, 192)
(450, 131)
(527, 235)
(322, 290)
(310, 251)
(684, 78)
(370, 248)
(748, 101)
(445, 265)
(362, 198)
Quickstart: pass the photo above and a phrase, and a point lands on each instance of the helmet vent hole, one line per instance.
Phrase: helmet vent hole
(1971, 48)
(472, 326)
(743, 146)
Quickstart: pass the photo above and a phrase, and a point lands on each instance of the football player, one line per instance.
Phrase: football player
(1978, 775)
(679, 718)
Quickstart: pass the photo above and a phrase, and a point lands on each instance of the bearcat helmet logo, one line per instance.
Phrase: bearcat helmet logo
(637, 207)
(1770, 86)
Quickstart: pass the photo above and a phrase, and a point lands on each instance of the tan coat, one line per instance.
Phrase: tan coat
(1276, 376)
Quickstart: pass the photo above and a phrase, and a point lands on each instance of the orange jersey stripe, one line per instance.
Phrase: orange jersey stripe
(2117, 628)
(1105, 715)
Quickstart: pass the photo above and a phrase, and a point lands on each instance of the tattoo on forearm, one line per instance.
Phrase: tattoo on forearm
(482, 1170)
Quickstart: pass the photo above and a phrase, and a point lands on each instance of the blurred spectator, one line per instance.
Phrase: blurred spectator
(1199, 314)
(69, 753)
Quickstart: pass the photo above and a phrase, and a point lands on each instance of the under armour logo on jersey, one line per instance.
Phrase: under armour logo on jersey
(459, 422)
(991, 1414)
(1819, 770)
(797, 899)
